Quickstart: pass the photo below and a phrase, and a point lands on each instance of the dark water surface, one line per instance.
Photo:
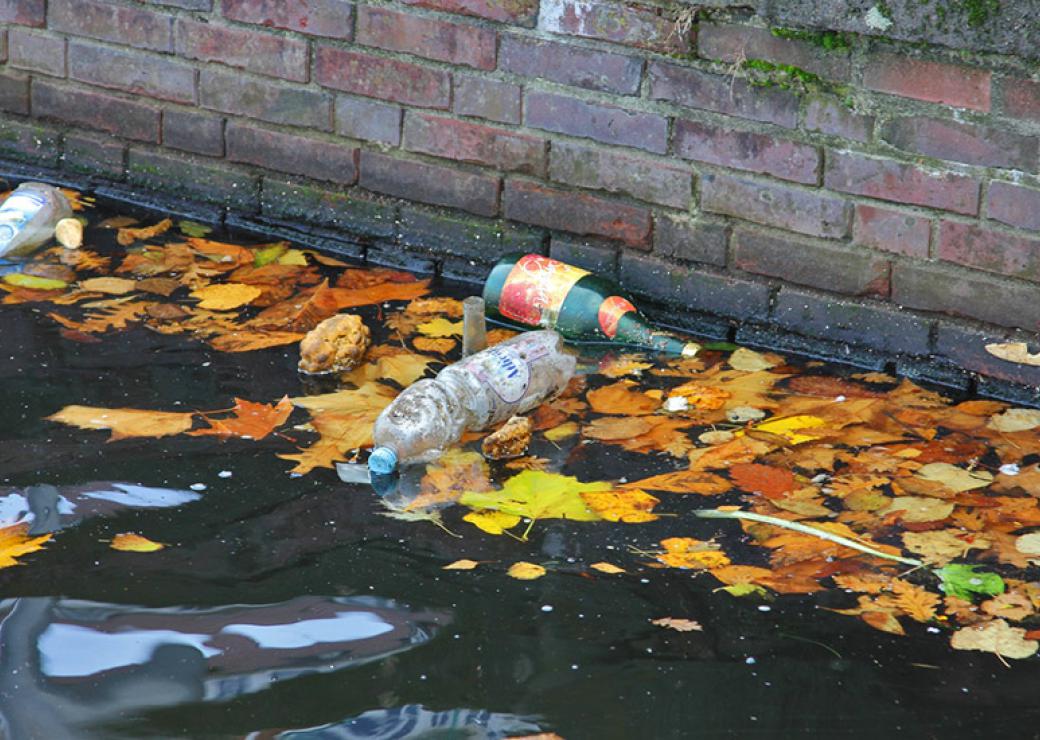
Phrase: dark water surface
(288, 607)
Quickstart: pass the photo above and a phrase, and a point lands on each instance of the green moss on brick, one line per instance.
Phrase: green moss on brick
(829, 40)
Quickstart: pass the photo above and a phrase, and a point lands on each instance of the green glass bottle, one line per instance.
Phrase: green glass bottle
(539, 291)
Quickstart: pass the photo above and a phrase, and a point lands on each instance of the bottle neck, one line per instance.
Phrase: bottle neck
(633, 328)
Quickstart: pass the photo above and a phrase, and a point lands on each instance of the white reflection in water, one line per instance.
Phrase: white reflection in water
(344, 626)
(70, 650)
(143, 497)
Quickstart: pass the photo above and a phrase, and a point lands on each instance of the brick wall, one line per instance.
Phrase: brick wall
(849, 187)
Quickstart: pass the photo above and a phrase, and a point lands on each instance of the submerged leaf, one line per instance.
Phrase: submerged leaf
(21, 280)
(539, 495)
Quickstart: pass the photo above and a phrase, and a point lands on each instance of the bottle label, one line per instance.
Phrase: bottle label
(16, 211)
(536, 288)
(502, 369)
(610, 313)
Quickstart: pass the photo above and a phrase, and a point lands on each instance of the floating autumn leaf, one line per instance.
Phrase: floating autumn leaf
(623, 397)
(249, 420)
(938, 547)
(225, 296)
(441, 327)
(1015, 420)
(630, 506)
(116, 314)
(250, 341)
(127, 236)
(964, 581)
(537, 495)
(130, 542)
(916, 509)
(789, 428)
(431, 344)
(454, 473)
(679, 625)
(751, 361)
(1014, 352)
(684, 481)
(15, 542)
(608, 568)
(767, 480)
(124, 423)
(996, 637)
(525, 571)
(492, 522)
(561, 431)
(618, 367)
(109, 285)
(192, 228)
(461, 565)
(687, 552)
(400, 366)
(955, 478)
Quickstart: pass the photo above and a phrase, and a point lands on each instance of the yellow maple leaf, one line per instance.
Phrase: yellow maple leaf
(687, 552)
(629, 506)
(440, 327)
(15, 542)
(492, 522)
(225, 296)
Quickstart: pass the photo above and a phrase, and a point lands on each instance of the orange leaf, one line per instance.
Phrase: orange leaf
(128, 236)
(250, 420)
(247, 341)
(629, 506)
(15, 541)
(883, 621)
(684, 481)
(124, 422)
(129, 542)
(623, 397)
(765, 479)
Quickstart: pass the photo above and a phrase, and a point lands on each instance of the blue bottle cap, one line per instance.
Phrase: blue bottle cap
(382, 461)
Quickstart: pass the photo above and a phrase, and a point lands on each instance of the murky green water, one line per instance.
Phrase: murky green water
(288, 607)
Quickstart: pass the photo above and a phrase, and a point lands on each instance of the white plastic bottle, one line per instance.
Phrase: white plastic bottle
(28, 217)
(475, 393)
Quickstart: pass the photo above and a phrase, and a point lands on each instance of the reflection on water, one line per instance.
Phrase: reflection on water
(68, 664)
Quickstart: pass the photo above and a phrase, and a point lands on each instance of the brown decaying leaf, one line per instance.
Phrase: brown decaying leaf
(679, 625)
(128, 236)
(623, 397)
(125, 423)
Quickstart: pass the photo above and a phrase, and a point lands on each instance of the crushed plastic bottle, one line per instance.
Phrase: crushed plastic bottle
(28, 217)
(475, 393)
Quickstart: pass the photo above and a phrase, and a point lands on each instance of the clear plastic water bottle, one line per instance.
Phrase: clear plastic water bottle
(475, 393)
(28, 217)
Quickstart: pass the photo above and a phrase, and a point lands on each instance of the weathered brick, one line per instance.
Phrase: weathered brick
(935, 82)
(985, 146)
(36, 51)
(607, 123)
(1014, 205)
(984, 249)
(132, 71)
(129, 119)
(209, 181)
(386, 79)
(891, 231)
(14, 93)
(29, 142)
(484, 98)
(691, 240)
(255, 51)
(120, 24)
(369, 120)
(966, 347)
(878, 327)
(695, 88)
(901, 183)
(746, 150)
(204, 6)
(521, 12)
(3, 45)
(329, 18)
(310, 203)
(442, 186)
(255, 97)
(472, 142)
(830, 116)
(599, 259)
(94, 155)
(570, 65)
(693, 289)
(804, 211)
(1020, 98)
(475, 239)
(734, 43)
(599, 169)
(620, 23)
(193, 131)
(23, 12)
(833, 268)
(958, 292)
(297, 155)
(455, 43)
(577, 213)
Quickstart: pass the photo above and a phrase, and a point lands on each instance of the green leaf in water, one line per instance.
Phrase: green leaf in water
(192, 228)
(21, 280)
(965, 581)
(721, 346)
(269, 254)
(745, 589)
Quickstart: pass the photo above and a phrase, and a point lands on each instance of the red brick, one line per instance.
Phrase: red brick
(256, 51)
(695, 88)
(119, 24)
(426, 37)
(569, 65)
(891, 231)
(692, 241)
(804, 211)
(125, 118)
(1014, 205)
(36, 51)
(268, 100)
(472, 142)
(901, 183)
(441, 186)
(620, 23)
(745, 150)
(483, 98)
(1020, 98)
(935, 82)
(833, 268)
(607, 123)
(733, 43)
(329, 18)
(830, 116)
(638, 177)
(14, 93)
(994, 251)
(577, 213)
(984, 146)
(23, 12)
(370, 120)
(386, 79)
(297, 155)
(193, 131)
(522, 12)
(133, 71)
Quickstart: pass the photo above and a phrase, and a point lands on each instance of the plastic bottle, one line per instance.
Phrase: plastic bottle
(540, 291)
(475, 393)
(28, 217)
